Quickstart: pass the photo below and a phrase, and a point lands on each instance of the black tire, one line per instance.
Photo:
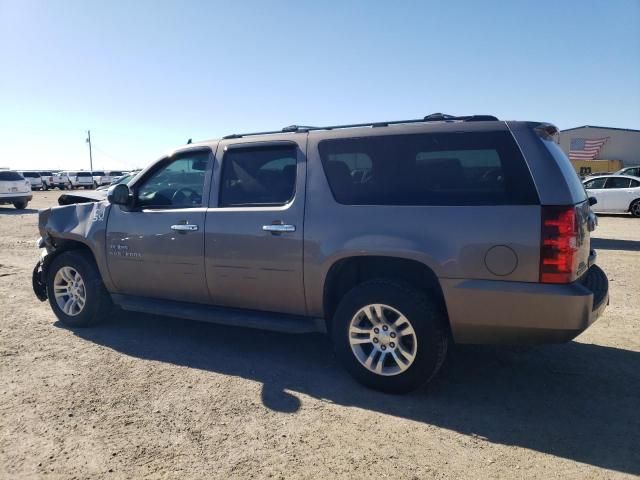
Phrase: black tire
(98, 304)
(21, 205)
(634, 208)
(429, 322)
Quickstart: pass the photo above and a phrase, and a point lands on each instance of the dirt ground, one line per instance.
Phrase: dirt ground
(153, 397)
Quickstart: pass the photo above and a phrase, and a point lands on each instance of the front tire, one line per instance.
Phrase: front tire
(76, 293)
(390, 336)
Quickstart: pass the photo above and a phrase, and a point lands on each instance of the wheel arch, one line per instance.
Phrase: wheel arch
(346, 273)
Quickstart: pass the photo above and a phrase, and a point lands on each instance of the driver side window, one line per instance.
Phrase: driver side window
(177, 184)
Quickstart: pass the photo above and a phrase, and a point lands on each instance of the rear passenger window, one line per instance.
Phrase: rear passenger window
(258, 176)
(635, 183)
(428, 169)
(617, 182)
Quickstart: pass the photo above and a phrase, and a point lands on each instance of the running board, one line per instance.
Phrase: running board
(236, 317)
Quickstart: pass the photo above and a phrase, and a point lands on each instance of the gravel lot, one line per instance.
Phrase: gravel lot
(145, 396)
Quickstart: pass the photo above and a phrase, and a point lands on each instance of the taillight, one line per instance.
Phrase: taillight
(558, 250)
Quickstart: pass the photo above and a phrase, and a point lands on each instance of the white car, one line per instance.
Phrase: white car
(632, 171)
(105, 177)
(34, 179)
(615, 194)
(47, 179)
(61, 180)
(15, 189)
(80, 179)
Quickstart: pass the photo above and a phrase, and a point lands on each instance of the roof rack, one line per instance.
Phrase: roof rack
(434, 117)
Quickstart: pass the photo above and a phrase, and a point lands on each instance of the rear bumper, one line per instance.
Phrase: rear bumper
(15, 197)
(493, 312)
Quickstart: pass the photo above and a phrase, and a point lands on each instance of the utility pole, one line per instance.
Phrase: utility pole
(88, 140)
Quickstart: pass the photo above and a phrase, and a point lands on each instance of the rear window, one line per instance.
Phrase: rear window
(115, 173)
(46, 174)
(30, 174)
(98, 173)
(84, 174)
(428, 169)
(10, 176)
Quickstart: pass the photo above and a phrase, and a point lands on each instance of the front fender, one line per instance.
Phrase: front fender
(67, 226)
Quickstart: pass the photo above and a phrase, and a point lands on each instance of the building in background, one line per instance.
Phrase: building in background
(600, 149)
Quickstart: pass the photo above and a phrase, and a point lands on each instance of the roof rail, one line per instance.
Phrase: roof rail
(434, 117)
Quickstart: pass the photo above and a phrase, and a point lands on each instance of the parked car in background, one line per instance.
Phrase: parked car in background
(123, 179)
(411, 252)
(14, 189)
(47, 179)
(80, 179)
(60, 180)
(105, 177)
(98, 178)
(615, 194)
(632, 171)
(34, 179)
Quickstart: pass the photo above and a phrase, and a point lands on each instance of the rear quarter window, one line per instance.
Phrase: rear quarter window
(483, 168)
(571, 177)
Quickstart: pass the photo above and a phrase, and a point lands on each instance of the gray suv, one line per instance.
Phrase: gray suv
(395, 238)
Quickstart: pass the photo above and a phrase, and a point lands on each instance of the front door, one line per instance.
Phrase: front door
(253, 243)
(156, 247)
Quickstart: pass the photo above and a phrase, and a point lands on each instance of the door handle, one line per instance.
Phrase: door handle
(278, 228)
(184, 227)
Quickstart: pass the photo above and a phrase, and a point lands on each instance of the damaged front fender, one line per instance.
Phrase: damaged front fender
(81, 225)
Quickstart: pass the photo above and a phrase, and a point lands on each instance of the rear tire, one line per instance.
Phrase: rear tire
(75, 290)
(21, 205)
(390, 336)
(634, 209)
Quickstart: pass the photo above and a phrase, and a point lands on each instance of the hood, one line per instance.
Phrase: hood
(82, 197)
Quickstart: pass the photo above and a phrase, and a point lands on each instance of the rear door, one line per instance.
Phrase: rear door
(254, 232)
(156, 248)
(617, 193)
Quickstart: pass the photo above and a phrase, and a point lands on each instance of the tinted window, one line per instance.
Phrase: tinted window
(178, 183)
(635, 183)
(97, 173)
(30, 175)
(617, 182)
(258, 176)
(115, 173)
(84, 174)
(428, 169)
(46, 174)
(10, 176)
(595, 183)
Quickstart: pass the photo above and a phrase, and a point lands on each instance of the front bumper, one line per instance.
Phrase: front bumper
(494, 312)
(17, 197)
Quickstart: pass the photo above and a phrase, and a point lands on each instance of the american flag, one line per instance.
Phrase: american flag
(586, 148)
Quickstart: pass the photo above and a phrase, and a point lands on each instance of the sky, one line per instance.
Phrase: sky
(145, 76)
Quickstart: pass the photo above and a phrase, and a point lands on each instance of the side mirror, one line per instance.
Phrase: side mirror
(119, 194)
(592, 201)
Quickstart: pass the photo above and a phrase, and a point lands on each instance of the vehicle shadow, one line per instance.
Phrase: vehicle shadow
(576, 401)
(14, 211)
(613, 244)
